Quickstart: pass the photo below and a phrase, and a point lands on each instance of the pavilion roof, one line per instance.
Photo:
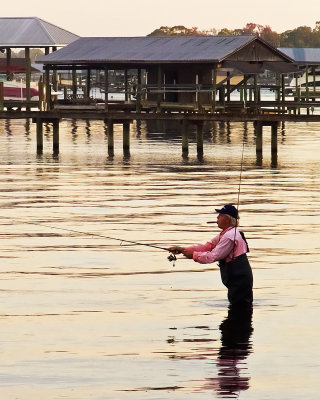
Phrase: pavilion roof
(302, 55)
(163, 49)
(32, 32)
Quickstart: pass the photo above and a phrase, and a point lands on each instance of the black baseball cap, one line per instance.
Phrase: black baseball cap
(228, 209)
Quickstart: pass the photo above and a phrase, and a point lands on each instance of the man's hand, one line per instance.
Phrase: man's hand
(187, 253)
(176, 249)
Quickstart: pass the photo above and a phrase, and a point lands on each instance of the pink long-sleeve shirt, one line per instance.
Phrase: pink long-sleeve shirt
(227, 245)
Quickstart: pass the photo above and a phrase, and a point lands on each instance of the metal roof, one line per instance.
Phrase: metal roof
(32, 32)
(151, 49)
(302, 55)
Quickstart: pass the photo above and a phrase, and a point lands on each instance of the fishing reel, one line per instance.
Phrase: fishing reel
(172, 258)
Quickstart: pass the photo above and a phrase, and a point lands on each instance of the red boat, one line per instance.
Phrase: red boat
(14, 90)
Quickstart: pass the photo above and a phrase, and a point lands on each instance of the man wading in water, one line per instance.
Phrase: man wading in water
(229, 248)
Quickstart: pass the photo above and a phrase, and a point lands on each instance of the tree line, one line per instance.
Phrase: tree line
(303, 36)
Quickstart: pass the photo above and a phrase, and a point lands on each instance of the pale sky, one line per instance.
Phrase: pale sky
(140, 17)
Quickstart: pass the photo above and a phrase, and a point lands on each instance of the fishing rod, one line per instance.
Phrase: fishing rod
(240, 177)
(171, 257)
(239, 186)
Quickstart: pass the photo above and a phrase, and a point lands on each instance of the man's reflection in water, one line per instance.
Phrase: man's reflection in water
(236, 331)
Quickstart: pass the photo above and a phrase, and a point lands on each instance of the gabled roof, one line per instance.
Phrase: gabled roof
(32, 32)
(151, 49)
(302, 55)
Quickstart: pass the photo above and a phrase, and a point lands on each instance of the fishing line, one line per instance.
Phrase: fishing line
(238, 200)
(240, 177)
(171, 258)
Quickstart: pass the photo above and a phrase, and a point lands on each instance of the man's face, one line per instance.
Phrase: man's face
(223, 221)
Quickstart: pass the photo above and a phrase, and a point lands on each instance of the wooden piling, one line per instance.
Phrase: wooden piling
(55, 125)
(274, 138)
(259, 137)
(110, 138)
(126, 137)
(200, 138)
(39, 136)
(184, 133)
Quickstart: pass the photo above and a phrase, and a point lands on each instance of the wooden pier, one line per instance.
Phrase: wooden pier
(186, 79)
(186, 119)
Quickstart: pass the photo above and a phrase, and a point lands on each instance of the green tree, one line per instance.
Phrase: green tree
(226, 32)
(300, 37)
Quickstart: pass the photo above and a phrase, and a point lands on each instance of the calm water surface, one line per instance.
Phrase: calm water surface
(83, 317)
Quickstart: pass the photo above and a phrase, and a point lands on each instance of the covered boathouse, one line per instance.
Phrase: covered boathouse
(181, 73)
(27, 34)
(305, 84)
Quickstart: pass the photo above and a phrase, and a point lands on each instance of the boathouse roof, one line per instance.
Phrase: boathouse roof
(302, 55)
(177, 49)
(32, 32)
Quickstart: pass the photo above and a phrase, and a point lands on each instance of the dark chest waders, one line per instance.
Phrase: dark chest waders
(236, 275)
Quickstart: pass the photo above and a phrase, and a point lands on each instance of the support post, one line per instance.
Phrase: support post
(126, 137)
(307, 88)
(74, 82)
(48, 88)
(1, 96)
(228, 86)
(88, 82)
(200, 138)
(55, 125)
(54, 74)
(126, 94)
(274, 137)
(39, 136)
(138, 98)
(214, 87)
(259, 138)
(245, 91)
(106, 90)
(274, 144)
(159, 81)
(198, 103)
(9, 75)
(185, 141)
(41, 95)
(256, 94)
(28, 75)
(283, 91)
(110, 138)
(298, 97)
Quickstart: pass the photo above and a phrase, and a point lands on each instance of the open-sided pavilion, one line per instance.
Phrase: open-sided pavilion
(197, 73)
(29, 33)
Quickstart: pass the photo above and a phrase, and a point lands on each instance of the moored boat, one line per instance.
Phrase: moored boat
(14, 90)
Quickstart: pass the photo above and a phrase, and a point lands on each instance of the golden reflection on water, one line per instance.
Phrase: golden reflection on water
(86, 317)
